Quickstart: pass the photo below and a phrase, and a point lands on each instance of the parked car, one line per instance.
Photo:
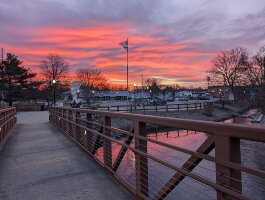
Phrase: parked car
(170, 99)
(183, 99)
(204, 98)
(158, 102)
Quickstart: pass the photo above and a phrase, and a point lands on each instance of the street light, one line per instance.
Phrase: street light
(134, 89)
(54, 81)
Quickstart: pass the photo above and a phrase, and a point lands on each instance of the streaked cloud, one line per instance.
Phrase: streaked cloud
(171, 40)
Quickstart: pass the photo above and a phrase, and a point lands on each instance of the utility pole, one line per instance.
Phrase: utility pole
(208, 81)
(2, 92)
(127, 73)
(125, 45)
(142, 76)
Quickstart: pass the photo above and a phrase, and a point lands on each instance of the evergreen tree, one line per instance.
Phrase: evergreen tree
(14, 78)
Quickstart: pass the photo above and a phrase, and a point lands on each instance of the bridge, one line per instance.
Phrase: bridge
(85, 154)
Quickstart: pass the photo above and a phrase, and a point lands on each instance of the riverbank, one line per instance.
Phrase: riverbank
(218, 114)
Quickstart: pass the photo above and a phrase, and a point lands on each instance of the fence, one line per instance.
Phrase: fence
(7, 121)
(30, 107)
(93, 131)
(156, 108)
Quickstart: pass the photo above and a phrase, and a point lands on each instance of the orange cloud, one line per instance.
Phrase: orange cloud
(98, 45)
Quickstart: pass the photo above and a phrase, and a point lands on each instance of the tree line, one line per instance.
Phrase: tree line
(19, 83)
(232, 68)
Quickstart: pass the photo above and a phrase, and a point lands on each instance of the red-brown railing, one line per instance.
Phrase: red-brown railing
(98, 133)
(147, 108)
(7, 121)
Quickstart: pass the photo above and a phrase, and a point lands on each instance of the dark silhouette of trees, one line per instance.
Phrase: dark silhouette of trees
(153, 86)
(92, 80)
(54, 68)
(229, 67)
(33, 92)
(256, 75)
(258, 66)
(14, 78)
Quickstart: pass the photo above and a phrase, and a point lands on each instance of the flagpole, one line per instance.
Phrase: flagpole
(127, 73)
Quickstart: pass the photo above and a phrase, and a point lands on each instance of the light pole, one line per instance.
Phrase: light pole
(125, 45)
(134, 89)
(208, 81)
(53, 83)
(2, 91)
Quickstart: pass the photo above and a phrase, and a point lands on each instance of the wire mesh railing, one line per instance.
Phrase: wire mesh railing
(140, 164)
(7, 121)
(156, 107)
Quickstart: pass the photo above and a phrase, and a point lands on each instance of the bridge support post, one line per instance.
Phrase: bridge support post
(70, 126)
(77, 129)
(107, 143)
(141, 162)
(88, 133)
(228, 149)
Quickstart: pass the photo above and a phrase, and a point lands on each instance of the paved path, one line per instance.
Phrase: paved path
(38, 162)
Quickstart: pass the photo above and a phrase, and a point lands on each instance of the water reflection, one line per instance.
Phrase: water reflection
(252, 155)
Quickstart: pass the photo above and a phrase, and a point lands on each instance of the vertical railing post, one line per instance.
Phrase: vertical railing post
(167, 107)
(77, 129)
(226, 176)
(63, 121)
(144, 108)
(70, 126)
(59, 122)
(141, 162)
(187, 107)
(107, 142)
(88, 133)
(156, 108)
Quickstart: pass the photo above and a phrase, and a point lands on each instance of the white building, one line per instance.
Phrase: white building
(75, 90)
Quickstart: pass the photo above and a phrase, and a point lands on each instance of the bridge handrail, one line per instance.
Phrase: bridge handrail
(7, 121)
(149, 107)
(217, 128)
(220, 133)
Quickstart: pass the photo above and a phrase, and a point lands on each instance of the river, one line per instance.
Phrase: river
(252, 155)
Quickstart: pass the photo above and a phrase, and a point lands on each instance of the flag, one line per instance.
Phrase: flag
(125, 44)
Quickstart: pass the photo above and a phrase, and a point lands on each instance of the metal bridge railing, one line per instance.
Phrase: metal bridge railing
(7, 121)
(155, 108)
(118, 150)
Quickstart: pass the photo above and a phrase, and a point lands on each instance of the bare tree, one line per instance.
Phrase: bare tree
(54, 70)
(153, 86)
(256, 77)
(229, 66)
(92, 80)
(259, 66)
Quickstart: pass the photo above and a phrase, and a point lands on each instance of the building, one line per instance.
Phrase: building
(75, 90)
(119, 95)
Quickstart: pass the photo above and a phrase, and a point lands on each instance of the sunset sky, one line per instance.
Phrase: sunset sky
(171, 40)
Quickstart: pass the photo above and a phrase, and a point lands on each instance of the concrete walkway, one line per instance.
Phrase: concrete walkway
(38, 162)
